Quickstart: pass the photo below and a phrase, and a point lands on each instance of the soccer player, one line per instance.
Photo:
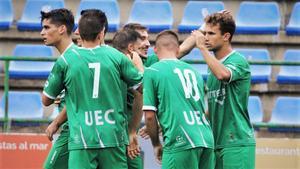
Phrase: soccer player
(91, 76)
(228, 86)
(76, 33)
(57, 28)
(174, 96)
(128, 42)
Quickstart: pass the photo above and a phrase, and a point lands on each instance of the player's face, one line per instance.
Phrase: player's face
(214, 38)
(50, 33)
(145, 44)
(137, 45)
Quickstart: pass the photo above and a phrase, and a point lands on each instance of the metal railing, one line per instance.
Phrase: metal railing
(7, 59)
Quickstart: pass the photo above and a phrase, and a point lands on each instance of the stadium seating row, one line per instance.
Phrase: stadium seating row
(259, 73)
(252, 17)
(28, 105)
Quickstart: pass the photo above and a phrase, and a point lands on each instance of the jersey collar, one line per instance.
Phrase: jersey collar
(69, 46)
(224, 58)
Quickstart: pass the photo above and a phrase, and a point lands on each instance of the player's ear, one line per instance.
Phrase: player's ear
(101, 35)
(62, 29)
(155, 49)
(226, 36)
(130, 47)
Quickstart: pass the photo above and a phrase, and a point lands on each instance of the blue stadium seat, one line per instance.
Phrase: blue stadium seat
(6, 14)
(110, 7)
(290, 74)
(259, 73)
(31, 69)
(195, 12)
(258, 18)
(155, 15)
(293, 28)
(255, 109)
(31, 17)
(286, 111)
(23, 105)
(196, 55)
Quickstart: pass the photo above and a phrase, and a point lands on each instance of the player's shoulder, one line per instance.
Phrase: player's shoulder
(237, 58)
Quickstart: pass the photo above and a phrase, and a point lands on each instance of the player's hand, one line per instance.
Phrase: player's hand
(200, 39)
(158, 153)
(133, 149)
(143, 133)
(137, 61)
(51, 130)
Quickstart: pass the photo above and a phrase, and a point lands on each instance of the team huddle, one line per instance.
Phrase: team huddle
(104, 91)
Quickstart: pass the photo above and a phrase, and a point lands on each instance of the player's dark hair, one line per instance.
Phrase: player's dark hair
(95, 11)
(225, 20)
(91, 24)
(134, 26)
(123, 38)
(60, 17)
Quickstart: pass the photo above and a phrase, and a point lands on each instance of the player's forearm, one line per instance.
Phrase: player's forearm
(217, 68)
(61, 118)
(187, 45)
(152, 127)
(137, 112)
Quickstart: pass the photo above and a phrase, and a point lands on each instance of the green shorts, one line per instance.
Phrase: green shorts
(136, 163)
(104, 158)
(59, 154)
(235, 157)
(195, 158)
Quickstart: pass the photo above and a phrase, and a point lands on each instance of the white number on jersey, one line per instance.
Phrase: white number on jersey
(189, 83)
(95, 66)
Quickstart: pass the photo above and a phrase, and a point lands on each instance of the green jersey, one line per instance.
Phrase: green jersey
(62, 93)
(175, 91)
(227, 104)
(148, 61)
(92, 82)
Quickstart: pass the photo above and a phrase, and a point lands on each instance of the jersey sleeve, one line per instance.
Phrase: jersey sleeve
(149, 91)
(239, 69)
(130, 74)
(54, 84)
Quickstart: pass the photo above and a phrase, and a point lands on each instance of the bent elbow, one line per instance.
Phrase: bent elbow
(224, 76)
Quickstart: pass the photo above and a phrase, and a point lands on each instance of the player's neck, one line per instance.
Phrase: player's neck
(63, 44)
(90, 44)
(223, 52)
(166, 55)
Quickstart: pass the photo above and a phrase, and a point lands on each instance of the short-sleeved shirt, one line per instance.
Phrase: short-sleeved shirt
(175, 91)
(227, 104)
(92, 82)
(148, 61)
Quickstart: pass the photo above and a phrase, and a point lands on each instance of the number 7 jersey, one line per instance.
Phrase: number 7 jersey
(92, 81)
(175, 91)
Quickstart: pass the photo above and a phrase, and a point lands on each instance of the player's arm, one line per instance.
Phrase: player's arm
(55, 82)
(47, 101)
(136, 60)
(187, 45)
(133, 147)
(137, 112)
(56, 123)
(217, 68)
(153, 131)
(131, 76)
